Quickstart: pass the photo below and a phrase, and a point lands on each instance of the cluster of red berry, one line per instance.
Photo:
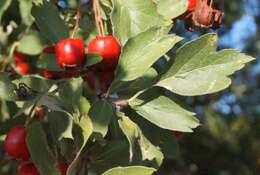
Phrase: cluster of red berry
(202, 13)
(16, 147)
(70, 54)
(71, 57)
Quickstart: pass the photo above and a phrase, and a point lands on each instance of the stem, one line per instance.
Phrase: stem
(121, 103)
(7, 60)
(211, 3)
(31, 113)
(136, 95)
(77, 18)
(98, 18)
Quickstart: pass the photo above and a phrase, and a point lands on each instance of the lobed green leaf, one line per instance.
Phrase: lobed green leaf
(198, 69)
(136, 138)
(132, 170)
(164, 112)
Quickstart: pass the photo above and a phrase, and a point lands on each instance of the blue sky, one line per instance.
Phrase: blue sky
(244, 28)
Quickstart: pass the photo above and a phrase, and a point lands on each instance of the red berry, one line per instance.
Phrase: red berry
(192, 4)
(15, 143)
(178, 134)
(49, 49)
(27, 169)
(70, 53)
(40, 112)
(108, 47)
(53, 75)
(63, 167)
(106, 78)
(72, 73)
(19, 57)
(23, 68)
(90, 78)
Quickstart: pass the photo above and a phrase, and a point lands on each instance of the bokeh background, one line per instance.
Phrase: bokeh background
(228, 142)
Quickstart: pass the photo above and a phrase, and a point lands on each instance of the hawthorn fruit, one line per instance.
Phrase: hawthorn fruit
(70, 53)
(15, 143)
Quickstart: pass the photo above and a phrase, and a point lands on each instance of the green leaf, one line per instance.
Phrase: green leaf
(70, 93)
(41, 155)
(84, 106)
(135, 138)
(87, 24)
(52, 103)
(31, 43)
(113, 154)
(130, 88)
(61, 125)
(38, 2)
(7, 88)
(138, 17)
(49, 22)
(93, 59)
(8, 124)
(171, 9)
(48, 61)
(25, 7)
(132, 170)
(26, 106)
(101, 113)
(142, 51)
(86, 129)
(4, 4)
(198, 69)
(35, 82)
(107, 3)
(164, 112)
(162, 138)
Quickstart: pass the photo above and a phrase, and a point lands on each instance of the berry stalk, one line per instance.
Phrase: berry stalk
(98, 18)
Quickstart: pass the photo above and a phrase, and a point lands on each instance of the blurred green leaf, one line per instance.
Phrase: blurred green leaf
(85, 132)
(48, 61)
(100, 113)
(86, 24)
(198, 69)
(7, 88)
(114, 153)
(84, 106)
(7, 125)
(35, 82)
(41, 155)
(31, 43)
(70, 93)
(132, 170)
(4, 4)
(93, 59)
(51, 102)
(25, 7)
(61, 125)
(49, 22)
